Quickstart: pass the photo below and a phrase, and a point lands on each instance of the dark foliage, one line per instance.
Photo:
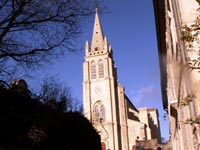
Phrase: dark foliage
(72, 131)
(27, 122)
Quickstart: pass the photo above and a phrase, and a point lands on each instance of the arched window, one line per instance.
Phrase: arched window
(101, 69)
(96, 112)
(99, 112)
(93, 70)
(102, 112)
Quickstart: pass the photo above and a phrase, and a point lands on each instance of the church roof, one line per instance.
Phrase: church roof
(130, 103)
(131, 110)
(98, 37)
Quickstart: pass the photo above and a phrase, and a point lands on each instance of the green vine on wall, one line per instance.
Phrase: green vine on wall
(193, 120)
(190, 33)
(186, 34)
(186, 100)
(194, 64)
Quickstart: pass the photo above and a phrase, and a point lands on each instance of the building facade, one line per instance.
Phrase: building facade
(119, 123)
(178, 49)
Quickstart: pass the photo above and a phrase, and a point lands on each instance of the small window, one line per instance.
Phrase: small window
(102, 113)
(101, 69)
(96, 111)
(96, 48)
(93, 70)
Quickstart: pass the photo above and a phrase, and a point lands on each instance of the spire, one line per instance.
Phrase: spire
(97, 38)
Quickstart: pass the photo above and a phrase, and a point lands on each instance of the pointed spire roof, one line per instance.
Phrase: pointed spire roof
(97, 38)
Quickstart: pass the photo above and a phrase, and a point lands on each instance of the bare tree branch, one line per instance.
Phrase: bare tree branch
(57, 96)
(34, 32)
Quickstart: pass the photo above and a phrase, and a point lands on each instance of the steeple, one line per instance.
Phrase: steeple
(99, 44)
(97, 38)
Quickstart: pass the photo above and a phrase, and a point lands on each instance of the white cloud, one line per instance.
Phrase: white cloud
(143, 95)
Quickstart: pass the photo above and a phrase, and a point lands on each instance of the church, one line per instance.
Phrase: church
(119, 123)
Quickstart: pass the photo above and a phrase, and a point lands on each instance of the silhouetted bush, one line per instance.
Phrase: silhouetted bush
(27, 122)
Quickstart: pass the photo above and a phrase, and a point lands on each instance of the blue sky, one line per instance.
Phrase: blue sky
(130, 29)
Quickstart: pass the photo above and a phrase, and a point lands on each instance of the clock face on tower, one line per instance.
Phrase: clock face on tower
(98, 90)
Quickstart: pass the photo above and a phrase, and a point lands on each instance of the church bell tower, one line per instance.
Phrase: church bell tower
(100, 98)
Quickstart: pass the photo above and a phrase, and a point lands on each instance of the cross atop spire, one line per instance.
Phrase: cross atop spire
(96, 4)
(97, 38)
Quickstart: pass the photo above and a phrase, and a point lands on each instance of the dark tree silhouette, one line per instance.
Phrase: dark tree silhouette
(57, 95)
(29, 123)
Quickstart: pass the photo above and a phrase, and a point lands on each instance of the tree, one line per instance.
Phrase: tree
(33, 32)
(28, 123)
(57, 95)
